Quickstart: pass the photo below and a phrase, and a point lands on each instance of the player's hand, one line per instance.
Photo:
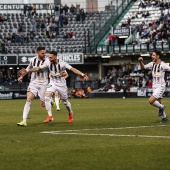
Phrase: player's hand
(140, 59)
(85, 77)
(23, 72)
(20, 78)
(63, 73)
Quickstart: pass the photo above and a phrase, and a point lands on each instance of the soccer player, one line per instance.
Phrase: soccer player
(37, 85)
(57, 83)
(158, 69)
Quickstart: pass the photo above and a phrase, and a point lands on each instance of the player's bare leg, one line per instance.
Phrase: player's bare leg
(68, 106)
(30, 97)
(57, 99)
(42, 103)
(48, 107)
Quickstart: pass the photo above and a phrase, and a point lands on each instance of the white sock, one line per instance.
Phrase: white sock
(164, 115)
(57, 102)
(157, 104)
(26, 110)
(48, 105)
(68, 105)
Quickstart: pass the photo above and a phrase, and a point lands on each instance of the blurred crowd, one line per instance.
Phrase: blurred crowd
(44, 25)
(152, 31)
(128, 76)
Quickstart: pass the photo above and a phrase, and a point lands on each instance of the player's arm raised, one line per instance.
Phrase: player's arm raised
(140, 59)
(79, 73)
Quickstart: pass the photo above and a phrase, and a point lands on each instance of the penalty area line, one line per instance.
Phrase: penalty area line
(111, 135)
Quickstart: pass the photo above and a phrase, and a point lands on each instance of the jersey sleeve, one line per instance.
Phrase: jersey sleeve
(30, 65)
(149, 65)
(67, 66)
(165, 67)
(45, 65)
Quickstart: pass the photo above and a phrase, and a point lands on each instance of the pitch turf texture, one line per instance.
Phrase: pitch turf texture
(106, 134)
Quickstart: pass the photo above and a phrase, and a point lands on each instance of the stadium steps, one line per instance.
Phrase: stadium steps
(117, 22)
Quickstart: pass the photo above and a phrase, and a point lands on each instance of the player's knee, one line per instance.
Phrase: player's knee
(151, 101)
(28, 102)
(42, 104)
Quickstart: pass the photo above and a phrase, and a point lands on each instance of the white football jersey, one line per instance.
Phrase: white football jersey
(55, 70)
(41, 77)
(158, 72)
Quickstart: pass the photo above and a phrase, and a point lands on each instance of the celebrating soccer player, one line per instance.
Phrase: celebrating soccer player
(38, 83)
(158, 69)
(57, 83)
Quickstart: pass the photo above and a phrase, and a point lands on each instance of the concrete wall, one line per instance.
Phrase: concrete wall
(83, 3)
(25, 1)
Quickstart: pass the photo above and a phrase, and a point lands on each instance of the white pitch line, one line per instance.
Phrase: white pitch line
(111, 135)
(97, 129)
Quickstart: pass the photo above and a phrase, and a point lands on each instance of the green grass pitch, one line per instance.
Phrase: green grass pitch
(106, 134)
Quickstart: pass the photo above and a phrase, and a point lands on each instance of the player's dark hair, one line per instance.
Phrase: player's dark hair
(158, 53)
(53, 52)
(40, 48)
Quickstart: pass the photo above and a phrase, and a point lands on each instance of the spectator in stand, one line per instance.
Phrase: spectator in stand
(82, 15)
(56, 29)
(25, 10)
(71, 35)
(2, 18)
(149, 85)
(112, 39)
(143, 82)
(65, 35)
(65, 21)
(13, 37)
(3, 49)
(78, 78)
(65, 9)
(129, 21)
(26, 38)
(72, 9)
(56, 10)
(21, 38)
(8, 38)
(17, 38)
(29, 10)
(61, 9)
(47, 30)
(43, 24)
(142, 4)
(20, 27)
(72, 93)
(32, 35)
(34, 10)
(61, 19)
(34, 24)
(77, 13)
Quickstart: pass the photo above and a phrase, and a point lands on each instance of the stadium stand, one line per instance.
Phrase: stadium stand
(148, 22)
(64, 32)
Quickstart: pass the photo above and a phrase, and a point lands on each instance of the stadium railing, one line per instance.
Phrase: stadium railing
(128, 49)
(100, 29)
